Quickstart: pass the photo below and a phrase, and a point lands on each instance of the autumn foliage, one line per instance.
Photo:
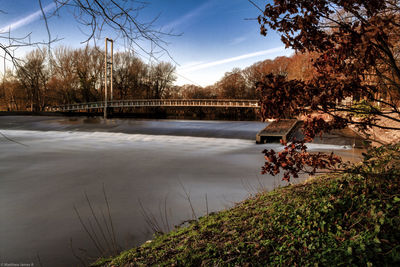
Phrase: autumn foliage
(356, 44)
(295, 159)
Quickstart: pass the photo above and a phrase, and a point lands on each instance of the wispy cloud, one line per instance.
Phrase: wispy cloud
(239, 40)
(232, 59)
(188, 16)
(191, 64)
(28, 19)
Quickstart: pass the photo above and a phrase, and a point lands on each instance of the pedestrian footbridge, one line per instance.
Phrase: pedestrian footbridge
(217, 103)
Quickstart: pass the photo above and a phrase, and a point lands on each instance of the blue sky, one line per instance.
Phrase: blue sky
(216, 34)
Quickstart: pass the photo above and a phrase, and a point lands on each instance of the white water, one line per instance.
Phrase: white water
(98, 140)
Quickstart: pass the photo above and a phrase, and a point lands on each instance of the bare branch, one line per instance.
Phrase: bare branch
(100, 16)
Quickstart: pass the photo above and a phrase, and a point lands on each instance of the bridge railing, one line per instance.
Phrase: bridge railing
(237, 103)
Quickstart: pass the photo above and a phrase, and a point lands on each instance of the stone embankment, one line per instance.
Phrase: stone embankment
(380, 136)
(376, 135)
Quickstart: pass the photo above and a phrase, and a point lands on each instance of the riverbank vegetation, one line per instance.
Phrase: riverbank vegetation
(347, 219)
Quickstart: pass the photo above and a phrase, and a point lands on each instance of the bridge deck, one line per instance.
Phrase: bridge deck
(227, 103)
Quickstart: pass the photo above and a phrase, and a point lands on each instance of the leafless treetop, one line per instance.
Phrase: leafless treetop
(96, 18)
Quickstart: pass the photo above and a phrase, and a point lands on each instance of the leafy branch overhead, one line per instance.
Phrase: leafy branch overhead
(356, 48)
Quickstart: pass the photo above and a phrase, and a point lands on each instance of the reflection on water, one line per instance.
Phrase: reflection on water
(147, 161)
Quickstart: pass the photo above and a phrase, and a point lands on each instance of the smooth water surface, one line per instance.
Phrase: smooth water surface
(156, 164)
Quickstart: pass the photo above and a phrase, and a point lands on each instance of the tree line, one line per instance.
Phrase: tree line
(241, 83)
(77, 75)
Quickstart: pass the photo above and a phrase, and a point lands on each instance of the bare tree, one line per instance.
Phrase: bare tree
(12, 95)
(33, 76)
(64, 81)
(233, 85)
(161, 77)
(129, 76)
(191, 91)
(95, 18)
(88, 64)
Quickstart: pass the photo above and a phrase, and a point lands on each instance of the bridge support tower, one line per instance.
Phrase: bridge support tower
(108, 67)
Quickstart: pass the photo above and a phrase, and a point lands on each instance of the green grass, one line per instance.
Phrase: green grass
(337, 219)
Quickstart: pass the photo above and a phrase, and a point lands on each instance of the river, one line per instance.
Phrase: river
(149, 169)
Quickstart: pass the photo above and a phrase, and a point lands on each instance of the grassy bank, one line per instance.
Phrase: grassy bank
(337, 219)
